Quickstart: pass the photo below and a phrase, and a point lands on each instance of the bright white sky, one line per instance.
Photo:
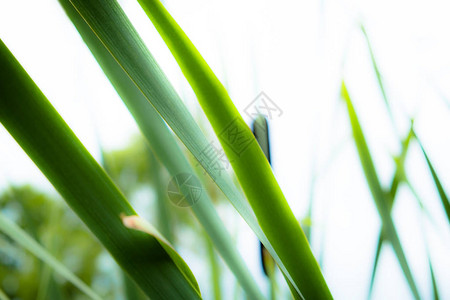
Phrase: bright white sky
(297, 52)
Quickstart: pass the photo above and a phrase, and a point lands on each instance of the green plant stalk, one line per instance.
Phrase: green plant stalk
(250, 165)
(166, 149)
(46, 138)
(381, 201)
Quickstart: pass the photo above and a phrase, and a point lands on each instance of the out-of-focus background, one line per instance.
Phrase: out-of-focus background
(297, 53)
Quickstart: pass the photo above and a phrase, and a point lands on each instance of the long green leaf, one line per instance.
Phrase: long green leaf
(163, 144)
(247, 159)
(54, 148)
(437, 181)
(23, 239)
(381, 200)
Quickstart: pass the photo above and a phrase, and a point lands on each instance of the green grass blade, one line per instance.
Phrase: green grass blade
(399, 177)
(46, 138)
(165, 147)
(437, 181)
(375, 264)
(379, 196)
(27, 242)
(247, 159)
(433, 282)
(378, 75)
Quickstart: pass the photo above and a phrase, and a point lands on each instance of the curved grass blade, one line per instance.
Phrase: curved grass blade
(165, 147)
(46, 138)
(437, 182)
(24, 240)
(247, 159)
(381, 200)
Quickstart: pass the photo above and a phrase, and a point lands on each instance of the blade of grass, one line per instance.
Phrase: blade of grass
(437, 181)
(378, 75)
(396, 180)
(433, 282)
(247, 159)
(165, 218)
(381, 200)
(48, 141)
(24, 240)
(165, 147)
